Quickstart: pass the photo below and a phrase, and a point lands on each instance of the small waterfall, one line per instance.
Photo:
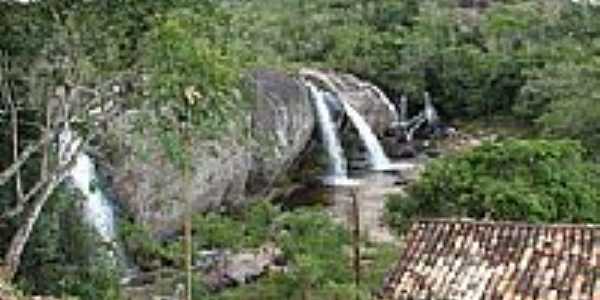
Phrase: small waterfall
(431, 114)
(337, 167)
(403, 110)
(388, 103)
(377, 157)
(98, 210)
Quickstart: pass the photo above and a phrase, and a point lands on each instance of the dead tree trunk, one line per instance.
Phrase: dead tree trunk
(12, 259)
(15, 140)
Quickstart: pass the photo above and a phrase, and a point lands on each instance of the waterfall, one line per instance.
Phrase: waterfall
(431, 114)
(98, 210)
(403, 110)
(337, 166)
(377, 157)
(386, 101)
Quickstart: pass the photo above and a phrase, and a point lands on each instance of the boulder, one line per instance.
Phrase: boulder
(282, 124)
(227, 172)
(370, 102)
(233, 269)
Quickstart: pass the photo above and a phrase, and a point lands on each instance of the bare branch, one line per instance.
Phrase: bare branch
(20, 206)
(33, 148)
(19, 240)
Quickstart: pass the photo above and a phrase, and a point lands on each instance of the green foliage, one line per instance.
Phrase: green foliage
(212, 231)
(146, 251)
(315, 246)
(179, 56)
(519, 180)
(63, 256)
(250, 228)
(534, 60)
(316, 249)
(318, 257)
(563, 97)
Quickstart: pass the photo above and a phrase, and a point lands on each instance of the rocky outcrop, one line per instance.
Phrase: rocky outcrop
(222, 268)
(282, 124)
(372, 104)
(234, 169)
(226, 172)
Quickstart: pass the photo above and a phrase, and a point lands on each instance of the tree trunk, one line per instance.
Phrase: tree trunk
(13, 255)
(12, 258)
(46, 147)
(15, 141)
(188, 211)
(356, 238)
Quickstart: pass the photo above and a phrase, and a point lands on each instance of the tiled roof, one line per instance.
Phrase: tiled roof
(454, 260)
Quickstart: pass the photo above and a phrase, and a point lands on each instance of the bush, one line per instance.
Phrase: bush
(315, 247)
(316, 251)
(146, 251)
(517, 180)
(249, 229)
(65, 256)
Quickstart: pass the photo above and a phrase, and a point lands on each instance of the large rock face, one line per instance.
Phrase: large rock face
(282, 124)
(226, 172)
(229, 172)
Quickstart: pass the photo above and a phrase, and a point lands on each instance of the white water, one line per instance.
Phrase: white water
(375, 89)
(431, 114)
(377, 157)
(97, 209)
(338, 164)
(403, 110)
(386, 101)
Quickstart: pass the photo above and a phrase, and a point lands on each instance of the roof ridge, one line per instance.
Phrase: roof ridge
(504, 223)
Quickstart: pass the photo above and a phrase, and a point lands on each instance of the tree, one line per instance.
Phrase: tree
(44, 92)
(193, 80)
(51, 173)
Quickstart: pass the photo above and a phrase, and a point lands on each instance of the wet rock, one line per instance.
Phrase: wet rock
(366, 98)
(310, 193)
(246, 266)
(433, 153)
(399, 150)
(358, 164)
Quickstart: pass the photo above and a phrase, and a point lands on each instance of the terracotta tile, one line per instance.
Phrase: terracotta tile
(446, 259)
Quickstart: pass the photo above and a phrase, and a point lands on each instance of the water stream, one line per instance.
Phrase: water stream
(377, 157)
(337, 173)
(98, 210)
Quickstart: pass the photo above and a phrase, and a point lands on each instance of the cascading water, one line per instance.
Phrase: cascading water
(388, 103)
(377, 157)
(337, 174)
(337, 167)
(403, 110)
(431, 114)
(98, 210)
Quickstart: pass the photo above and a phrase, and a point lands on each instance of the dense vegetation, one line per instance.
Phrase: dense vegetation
(312, 246)
(536, 62)
(518, 180)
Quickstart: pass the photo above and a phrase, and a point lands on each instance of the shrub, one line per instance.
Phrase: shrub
(250, 228)
(518, 180)
(65, 256)
(145, 250)
(315, 247)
